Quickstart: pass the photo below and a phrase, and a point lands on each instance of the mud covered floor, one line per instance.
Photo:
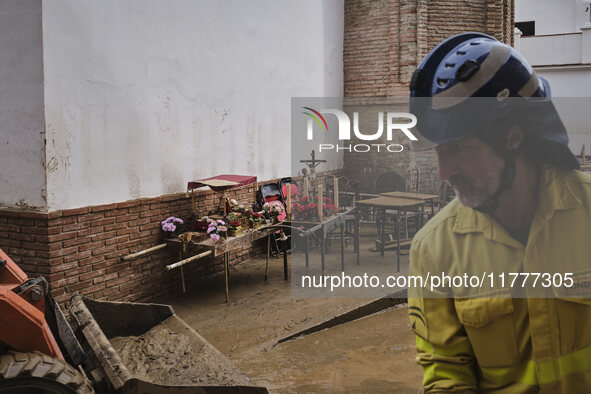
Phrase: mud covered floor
(165, 355)
(375, 354)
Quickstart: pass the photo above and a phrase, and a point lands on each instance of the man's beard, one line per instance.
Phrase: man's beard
(469, 195)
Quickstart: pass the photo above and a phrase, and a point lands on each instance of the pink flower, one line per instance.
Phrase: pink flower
(210, 229)
(215, 237)
(168, 227)
(222, 228)
(220, 221)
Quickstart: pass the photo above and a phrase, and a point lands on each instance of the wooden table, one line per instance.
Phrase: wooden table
(430, 198)
(224, 248)
(413, 196)
(394, 203)
(325, 226)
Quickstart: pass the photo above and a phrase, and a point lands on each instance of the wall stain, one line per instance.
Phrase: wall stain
(52, 164)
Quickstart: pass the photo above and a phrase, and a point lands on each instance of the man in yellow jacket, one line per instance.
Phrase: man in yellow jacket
(517, 235)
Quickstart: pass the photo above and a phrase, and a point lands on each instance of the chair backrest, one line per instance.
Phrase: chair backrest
(434, 181)
(411, 179)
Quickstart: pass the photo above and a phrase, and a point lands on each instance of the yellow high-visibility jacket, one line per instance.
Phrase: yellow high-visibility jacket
(504, 344)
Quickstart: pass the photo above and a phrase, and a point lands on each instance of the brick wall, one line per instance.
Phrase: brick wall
(79, 250)
(385, 40)
(366, 167)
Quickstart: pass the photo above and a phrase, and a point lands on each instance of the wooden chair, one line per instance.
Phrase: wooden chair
(411, 179)
(347, 196)
(434, 181)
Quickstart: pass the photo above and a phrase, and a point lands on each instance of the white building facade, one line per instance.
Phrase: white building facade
(560, 50)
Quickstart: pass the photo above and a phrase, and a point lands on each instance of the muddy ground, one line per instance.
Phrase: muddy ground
(170, 355)
(370, 355)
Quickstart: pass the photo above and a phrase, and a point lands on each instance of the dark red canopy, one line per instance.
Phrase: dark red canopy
(222, 182)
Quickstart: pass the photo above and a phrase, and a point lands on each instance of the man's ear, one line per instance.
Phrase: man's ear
(515, 137)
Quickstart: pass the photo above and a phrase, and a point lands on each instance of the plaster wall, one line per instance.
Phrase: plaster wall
(552, 50)
(142, 96)
(570, 92)
(553, 16)
(22, 158)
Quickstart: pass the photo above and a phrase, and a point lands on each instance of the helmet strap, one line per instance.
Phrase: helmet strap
(507, 178)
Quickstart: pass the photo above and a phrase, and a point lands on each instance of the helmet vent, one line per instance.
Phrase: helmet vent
(442, 82)
(466, 70)
(461, 53)
(450, 65)
(475, 43)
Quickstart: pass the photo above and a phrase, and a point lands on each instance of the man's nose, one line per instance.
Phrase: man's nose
(447, 166)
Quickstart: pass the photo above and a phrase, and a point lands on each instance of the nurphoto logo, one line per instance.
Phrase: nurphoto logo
(395, 121)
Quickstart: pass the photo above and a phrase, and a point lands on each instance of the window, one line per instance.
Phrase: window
(527, 28)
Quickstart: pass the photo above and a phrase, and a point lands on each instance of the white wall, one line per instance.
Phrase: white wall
(570, 92)
(553, 49)
(563, 59)
(22, 175)
(568, 82)
(553, 16)
(142, 96)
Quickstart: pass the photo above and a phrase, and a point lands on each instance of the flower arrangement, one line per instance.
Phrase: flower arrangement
(216, 229)
(256, 218)
(328, 207)
(172, 226)
(236, 207)
(275, 210)
(201, 224)
(234, 228)
(307, 209)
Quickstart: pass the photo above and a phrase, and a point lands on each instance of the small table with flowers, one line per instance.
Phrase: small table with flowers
(222, 247)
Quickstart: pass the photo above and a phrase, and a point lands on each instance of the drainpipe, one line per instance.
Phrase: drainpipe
(586, 39)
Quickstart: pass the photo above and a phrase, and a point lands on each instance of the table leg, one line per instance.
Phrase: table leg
(382, 237)
(182, 273)
(357, 221)
(342, 247)
(267, 262)
(398, 240)
(322, 249)
(226, 268)
(306, 250)
(285, 247)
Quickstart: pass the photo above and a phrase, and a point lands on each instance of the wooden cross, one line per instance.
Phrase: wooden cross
(312, 164)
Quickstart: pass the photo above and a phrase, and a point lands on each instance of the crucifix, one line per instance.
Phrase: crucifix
(309, 178)
(312, 164)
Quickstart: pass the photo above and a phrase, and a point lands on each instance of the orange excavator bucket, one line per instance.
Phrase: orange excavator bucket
(22, 312)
